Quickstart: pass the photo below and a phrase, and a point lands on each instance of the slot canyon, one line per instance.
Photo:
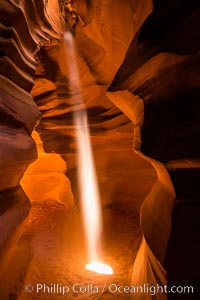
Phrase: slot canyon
(127, 74)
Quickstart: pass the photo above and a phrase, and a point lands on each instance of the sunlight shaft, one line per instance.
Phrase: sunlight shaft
(89, 193)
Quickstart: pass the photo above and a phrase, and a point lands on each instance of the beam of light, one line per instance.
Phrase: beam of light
(89, 193)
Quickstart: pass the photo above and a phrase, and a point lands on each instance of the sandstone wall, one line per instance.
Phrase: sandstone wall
(24, 27)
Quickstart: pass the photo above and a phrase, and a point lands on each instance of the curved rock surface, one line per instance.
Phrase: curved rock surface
(22, 30)
(162, 67)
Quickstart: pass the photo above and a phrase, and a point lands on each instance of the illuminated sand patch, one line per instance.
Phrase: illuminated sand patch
(99, 268)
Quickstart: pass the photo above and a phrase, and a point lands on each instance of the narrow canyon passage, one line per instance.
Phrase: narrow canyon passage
(133, 67)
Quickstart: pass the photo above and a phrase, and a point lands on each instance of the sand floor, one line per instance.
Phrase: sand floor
(55, 241)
